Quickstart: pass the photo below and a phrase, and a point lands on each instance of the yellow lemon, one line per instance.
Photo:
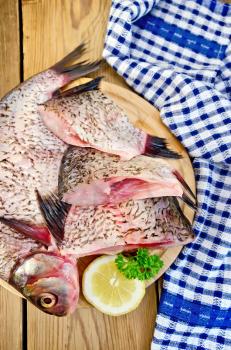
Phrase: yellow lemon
(105, 287)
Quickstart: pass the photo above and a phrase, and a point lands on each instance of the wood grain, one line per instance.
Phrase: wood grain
(55, 27)
(10, 305)
(9, 46)
(10, 320)
(88, 329)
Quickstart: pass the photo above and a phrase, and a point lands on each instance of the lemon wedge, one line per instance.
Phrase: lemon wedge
(106, 288)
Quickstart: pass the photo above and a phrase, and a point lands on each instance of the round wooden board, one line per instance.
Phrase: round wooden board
(144, 116)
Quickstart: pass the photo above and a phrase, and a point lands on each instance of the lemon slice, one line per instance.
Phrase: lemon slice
(106, 288)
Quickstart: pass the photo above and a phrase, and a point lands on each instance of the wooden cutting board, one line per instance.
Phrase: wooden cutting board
(143, 115)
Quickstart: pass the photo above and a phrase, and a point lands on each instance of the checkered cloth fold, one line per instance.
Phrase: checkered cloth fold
(178, 56)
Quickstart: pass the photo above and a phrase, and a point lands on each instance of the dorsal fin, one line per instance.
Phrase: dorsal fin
(54, 212)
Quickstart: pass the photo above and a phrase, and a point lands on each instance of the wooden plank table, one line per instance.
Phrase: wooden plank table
(33, 35)
(10, 305)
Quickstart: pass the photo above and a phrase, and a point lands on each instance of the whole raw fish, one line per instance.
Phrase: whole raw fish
(30, 158)
(91, 177)
(83, 116)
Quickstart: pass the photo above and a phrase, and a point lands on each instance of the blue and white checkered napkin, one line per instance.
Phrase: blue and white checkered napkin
(177, 54)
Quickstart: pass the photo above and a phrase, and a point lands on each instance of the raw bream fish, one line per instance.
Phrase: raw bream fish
(83, 116)
(91, 177)
(153, 223)
(30, 157)
(31, 260)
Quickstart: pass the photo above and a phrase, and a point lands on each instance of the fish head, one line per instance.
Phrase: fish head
(49, 281)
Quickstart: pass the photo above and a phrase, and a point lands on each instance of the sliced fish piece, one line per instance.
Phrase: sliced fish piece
(90, 177)
(85, 117)
(154, 223)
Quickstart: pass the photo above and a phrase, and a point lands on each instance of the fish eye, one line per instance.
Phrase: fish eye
(47, 300)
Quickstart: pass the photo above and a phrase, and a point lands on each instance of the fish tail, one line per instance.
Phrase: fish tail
(73, 55)
(188, 201)
(184, 183)
(157, 147)
(89, 86)
(77, 70)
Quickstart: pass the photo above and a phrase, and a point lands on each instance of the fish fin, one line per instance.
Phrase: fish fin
(188, 201)
(183, 183)
(77, 70)
(157, 147)
(38, 233)
(72, 56)
(54, 212)
(80, 69)
(89, 86)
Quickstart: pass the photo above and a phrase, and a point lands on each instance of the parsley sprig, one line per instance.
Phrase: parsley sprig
(142, 266)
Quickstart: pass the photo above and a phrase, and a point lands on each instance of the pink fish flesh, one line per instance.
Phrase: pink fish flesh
(90, 177)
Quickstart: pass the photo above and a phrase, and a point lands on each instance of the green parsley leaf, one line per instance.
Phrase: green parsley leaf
(142, 266)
